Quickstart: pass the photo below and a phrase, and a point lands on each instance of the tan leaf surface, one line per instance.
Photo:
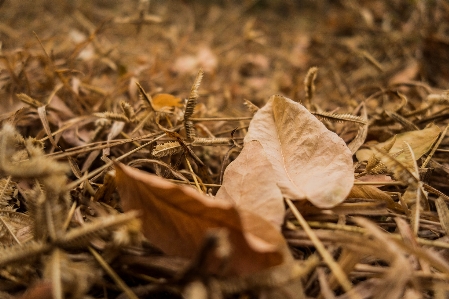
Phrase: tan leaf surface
(420, 141)
(176, 219)
(248, 183)
(309, 161)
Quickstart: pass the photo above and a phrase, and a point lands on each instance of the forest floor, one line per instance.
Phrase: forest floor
(172, 88)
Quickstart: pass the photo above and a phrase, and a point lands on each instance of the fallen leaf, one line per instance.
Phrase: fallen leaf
(309, 161)
(177, 218)
(163, 100)
(420, 141)
(185, 64)
(372, 192)
(204, 59)
(248, 183)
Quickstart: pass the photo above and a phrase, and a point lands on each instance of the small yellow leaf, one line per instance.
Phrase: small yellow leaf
(420, 141)
(162, 100)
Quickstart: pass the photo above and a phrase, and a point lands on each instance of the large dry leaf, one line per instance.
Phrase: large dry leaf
(248, 183)
(177, 218)
(309, 161)
(420, 141)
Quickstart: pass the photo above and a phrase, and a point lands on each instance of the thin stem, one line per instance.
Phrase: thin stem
(394, 183)
(120, 283)
(335, 268)
(100, 169)
(193, 183)
(434, 148)
(221, 118)
(193, 175)
(69, 216)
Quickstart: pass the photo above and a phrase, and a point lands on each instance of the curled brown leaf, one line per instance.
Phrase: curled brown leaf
(177, 218)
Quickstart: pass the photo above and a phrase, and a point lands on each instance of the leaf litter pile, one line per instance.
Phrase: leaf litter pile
(263, 149)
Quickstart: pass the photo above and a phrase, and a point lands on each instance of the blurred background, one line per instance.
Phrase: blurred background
(248, 49)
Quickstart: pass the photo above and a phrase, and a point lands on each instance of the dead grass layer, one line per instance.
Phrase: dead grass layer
(83, 83)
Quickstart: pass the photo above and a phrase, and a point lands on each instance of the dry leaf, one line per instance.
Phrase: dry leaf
(164, 100)
(177, 218)
(248, 183)
(204, 59)
(420, 141)
(371, 192)
(309, 161)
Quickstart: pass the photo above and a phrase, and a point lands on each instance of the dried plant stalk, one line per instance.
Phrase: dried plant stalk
(434, 147)
(128, 110)
(442, 99)
(340, 117)
(400, 171)
(23, 253)
(167, 149)
(112, 116)
(211, 141)
(362, 132)
(310, 86)
(29, 100)
(251, 107)
(6, 192)
(335, 268)
(146, 97)
(408, 125)
(190, 106)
